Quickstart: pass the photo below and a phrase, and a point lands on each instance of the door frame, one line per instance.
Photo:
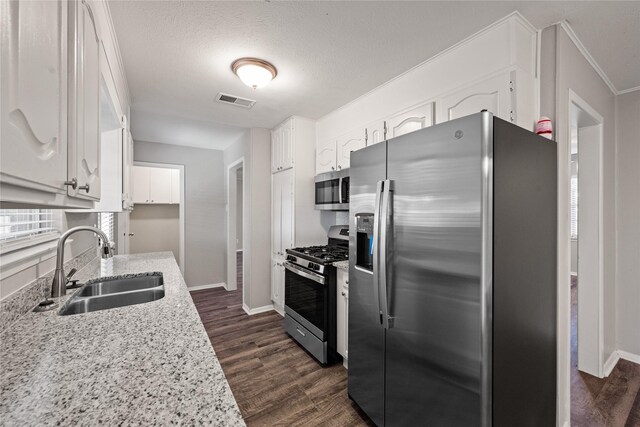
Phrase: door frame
(232, 181)
(182, 203)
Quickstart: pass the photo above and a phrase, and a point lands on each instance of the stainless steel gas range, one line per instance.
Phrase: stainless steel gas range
(310, 294)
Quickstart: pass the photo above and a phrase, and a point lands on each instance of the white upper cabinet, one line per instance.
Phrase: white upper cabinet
(326, 156)
(140, 176)
(159, 185)
(34, 96)
(282, 147)
(84, 102)
(408, 121)
(492, 94)
(375, 132)
(347, 143)
(175, 186)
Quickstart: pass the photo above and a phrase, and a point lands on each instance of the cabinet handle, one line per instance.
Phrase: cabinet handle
(343, 294)
(73, 183)
(84, 187)
(339, 167)
(332, 168)
(132, 234)
(346, 281)
(152, 200)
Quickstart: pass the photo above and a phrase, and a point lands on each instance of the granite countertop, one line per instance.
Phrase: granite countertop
(342, 265)
(148, 364)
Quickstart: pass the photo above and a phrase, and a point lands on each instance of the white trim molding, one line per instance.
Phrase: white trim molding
(631, 357)
(583, 50)
(257, 310)
(631, 89)
(610, 363)
(210, 286)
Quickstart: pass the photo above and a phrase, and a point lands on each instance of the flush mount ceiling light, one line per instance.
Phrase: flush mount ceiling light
(254, 72)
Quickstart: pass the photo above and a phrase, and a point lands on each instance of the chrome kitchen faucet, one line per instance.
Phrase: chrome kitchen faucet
(59, 284)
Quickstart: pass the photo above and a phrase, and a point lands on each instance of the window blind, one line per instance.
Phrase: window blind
(107, 225)
(574, 207)
(23, 223)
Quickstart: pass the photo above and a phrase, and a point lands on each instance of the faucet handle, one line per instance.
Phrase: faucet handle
(71, 273)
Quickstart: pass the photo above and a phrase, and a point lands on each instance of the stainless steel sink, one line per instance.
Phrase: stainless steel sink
(120, 285)
(114, 293)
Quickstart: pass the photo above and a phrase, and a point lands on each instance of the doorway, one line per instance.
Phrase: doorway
(236, 250)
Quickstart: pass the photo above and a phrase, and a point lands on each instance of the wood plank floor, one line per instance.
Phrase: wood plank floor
(277, 383)
(274, 381)
(613, 401)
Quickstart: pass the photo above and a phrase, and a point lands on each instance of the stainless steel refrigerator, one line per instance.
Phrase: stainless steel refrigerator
(452, 277)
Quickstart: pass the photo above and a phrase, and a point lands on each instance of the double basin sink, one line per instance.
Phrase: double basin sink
(103, 294)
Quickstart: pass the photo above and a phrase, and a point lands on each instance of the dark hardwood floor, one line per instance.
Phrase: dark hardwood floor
(274, 381)
(613, 401)
(277, 383)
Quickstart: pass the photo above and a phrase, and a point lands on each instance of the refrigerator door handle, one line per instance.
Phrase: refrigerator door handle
(375, 252)
(386, 214)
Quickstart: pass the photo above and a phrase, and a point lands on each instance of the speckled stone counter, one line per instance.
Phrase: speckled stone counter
(146, 364)
(342, 265)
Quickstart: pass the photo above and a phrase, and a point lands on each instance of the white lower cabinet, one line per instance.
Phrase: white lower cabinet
(342, 314)
(277, 284)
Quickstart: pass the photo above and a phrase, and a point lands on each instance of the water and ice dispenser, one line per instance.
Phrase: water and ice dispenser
(364, 241)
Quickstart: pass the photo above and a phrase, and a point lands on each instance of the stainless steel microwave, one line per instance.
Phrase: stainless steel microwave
(332, 190)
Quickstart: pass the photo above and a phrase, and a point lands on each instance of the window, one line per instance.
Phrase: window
(17, 224)
(106, 221)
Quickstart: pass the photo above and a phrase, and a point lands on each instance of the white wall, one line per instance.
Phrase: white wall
(563, 67)
(255, 148)
(156, 228)
(204, 242)
(628, 223)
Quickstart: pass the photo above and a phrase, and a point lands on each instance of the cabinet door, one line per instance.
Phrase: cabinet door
(140, 184)
(286, 145)
(159, 185)
(277, 282)
(408, 121)
(493, 94)
(375, 133)
(276, 214)
(175, 186)
(287, 211)
(84, 112)
(341, 313)
(326, 156)
(127, 169)
(275, 150)
(33, 111)
(347, 143)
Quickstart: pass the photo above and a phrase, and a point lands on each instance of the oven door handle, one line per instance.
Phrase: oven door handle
(304, 273)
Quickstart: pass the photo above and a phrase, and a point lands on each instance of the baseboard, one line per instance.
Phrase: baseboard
(610, 363)
(201, 287)
(257, 310)
(631, 357)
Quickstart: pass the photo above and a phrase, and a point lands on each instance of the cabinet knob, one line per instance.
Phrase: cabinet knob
(73, 183)
(152, 200)
(84, 187)
(343, 294)
(332, 168)
(346, 281)
(339, 167)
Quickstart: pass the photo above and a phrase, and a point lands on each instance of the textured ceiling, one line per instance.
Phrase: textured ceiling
(177, 54)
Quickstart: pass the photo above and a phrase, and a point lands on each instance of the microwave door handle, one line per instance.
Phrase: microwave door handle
(376, 248)
(383, 271)
(340, 190)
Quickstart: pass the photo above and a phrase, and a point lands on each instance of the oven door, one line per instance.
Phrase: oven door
(306, 299)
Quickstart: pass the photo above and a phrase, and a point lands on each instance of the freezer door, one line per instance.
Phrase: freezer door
(366, 335)
(434, 360)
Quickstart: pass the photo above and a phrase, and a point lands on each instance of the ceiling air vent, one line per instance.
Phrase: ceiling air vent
(234, 100)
